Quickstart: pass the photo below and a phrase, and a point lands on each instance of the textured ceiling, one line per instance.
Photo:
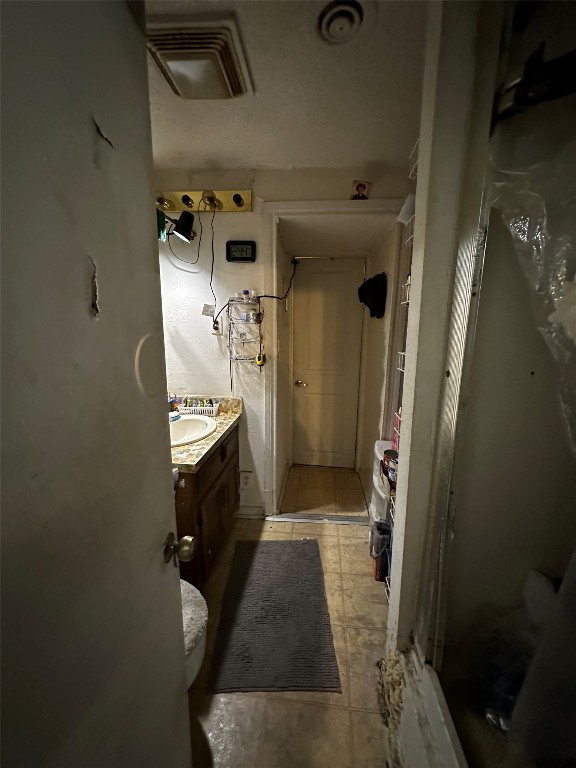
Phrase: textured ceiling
(334, 234)
(316, 105)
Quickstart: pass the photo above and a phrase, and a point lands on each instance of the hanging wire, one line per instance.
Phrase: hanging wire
(175, 254)
(221, 310)
(259, 334)
(200, 238)
(281, 298)
(212, 268)
(264, 295)
(294, 261)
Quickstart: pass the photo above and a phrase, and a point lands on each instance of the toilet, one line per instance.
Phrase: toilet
(195, 622)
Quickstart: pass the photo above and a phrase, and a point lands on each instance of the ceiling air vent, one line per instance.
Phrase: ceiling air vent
(200, 60)
(340, 21)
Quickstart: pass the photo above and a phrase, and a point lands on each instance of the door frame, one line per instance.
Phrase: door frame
(272, 213)
(456, 108)
(459, 81)
(397, 332)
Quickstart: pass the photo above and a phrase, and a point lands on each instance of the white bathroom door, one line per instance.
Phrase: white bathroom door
(92, 645)
(327, 344)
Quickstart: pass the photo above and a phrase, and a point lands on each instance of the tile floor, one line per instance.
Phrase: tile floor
(303, 729)
(323, 491)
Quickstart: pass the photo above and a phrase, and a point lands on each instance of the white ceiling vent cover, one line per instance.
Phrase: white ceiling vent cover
(340, 21)
(200, 60)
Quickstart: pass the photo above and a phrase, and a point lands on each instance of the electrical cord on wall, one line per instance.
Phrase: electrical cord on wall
(220, 312)
(200, 238)
(186, 261)
(212, 268)
(176, 255)
(281, 298)
(264, 295)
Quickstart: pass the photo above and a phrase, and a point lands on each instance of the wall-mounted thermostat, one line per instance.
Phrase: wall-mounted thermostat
(240, 250)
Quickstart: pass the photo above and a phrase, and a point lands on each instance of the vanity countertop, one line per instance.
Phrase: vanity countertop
(191, 456)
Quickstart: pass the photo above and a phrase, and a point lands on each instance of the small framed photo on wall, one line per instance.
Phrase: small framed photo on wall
(360, 190)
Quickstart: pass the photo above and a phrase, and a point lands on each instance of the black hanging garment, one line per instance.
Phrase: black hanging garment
(373, 293)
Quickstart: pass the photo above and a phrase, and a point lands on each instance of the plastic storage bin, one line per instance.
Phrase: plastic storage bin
(380, 497)
(380, 543)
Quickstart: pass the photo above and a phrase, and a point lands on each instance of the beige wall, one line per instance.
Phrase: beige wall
(196, 360)
(514, 477)
(283, 424)
(295, 184)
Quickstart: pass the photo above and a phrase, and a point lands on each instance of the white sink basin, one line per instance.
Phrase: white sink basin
(188, 429)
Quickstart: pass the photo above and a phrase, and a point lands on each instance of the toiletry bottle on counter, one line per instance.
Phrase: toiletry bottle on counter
(246, 294)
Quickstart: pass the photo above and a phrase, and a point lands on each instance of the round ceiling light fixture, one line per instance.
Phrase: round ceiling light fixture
(210, 200)
(340, 21)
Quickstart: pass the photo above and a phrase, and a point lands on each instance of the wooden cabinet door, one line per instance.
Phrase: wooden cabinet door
(232, 480)
(212, 512)
(187, 525)
(206, 504)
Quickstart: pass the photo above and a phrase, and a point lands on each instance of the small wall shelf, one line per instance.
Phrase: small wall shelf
(255, 301)
(405, 301)
(400, 350)
(396, 430)
(413, 174)
(410, 230)
(244, 337)
(390, 519)
(251, 340)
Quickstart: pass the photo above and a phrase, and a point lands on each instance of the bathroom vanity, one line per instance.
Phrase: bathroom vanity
(207, 495)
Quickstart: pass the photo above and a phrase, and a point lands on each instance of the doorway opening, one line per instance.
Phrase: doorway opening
(332, 363)
(326, 353)
(316, 494)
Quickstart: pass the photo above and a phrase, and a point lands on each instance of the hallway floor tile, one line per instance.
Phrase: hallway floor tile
(301, 729)
(323, 491)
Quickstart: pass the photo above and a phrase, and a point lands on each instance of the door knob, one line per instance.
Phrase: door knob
(178, 551)
(300, 383)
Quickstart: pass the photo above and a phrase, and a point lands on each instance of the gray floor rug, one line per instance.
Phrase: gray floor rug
(274, 632)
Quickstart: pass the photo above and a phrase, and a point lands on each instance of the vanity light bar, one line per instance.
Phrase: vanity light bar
(224, 200)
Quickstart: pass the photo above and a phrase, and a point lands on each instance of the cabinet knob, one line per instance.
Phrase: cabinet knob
(299, 383)
(179, 551)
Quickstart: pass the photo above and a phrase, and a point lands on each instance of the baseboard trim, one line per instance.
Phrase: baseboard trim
(254, 513)
(296, 517)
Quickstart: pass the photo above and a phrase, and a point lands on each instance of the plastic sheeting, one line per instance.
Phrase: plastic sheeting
(535, 189)
(544, 717)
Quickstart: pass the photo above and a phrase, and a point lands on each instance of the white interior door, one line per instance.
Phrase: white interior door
(92, 646)
(327, 342)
